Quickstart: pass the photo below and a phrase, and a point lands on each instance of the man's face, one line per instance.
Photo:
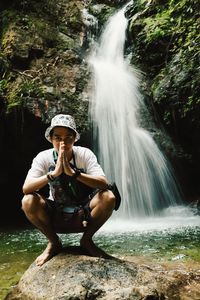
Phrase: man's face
(63, 134)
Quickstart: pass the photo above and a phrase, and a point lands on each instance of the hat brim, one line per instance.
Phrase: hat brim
(48, 130)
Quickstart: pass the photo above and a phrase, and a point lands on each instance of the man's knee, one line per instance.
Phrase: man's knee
(108, 200)
(30, 203)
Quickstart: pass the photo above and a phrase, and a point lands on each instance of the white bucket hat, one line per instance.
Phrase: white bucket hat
(64, 121)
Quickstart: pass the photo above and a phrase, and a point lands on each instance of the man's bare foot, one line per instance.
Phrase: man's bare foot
(90, 247)
(50, 251)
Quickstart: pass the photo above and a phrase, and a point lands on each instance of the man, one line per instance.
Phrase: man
(80, 199)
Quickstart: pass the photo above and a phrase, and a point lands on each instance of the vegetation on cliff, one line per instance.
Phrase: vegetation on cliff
(165, 43)
(41, 57)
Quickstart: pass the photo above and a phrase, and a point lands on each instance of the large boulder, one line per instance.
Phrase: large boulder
(75, 276)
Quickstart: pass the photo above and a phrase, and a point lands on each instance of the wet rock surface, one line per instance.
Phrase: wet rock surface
(71, 275)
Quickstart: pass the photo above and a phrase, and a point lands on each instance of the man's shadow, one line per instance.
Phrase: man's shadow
(78, 250)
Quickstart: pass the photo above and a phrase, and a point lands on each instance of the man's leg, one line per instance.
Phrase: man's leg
(102, 206)
(34, 206)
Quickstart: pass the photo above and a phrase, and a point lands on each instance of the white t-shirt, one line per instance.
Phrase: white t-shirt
(85, 159)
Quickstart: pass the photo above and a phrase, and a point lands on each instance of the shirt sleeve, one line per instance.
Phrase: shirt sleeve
(38, 167)
(91, 164)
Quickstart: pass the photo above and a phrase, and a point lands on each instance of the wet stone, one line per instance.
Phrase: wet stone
(76, 276)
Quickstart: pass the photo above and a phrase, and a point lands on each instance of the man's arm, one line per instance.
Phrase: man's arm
(34, 184)
(96, 182)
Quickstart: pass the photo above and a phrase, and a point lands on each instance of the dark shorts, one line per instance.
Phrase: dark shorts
(69, 215)
(53, 208)
(68, 219)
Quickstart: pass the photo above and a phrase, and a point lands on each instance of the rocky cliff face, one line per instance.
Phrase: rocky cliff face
(165, 44)
(69, 276)
(42, 58)
(43, 71)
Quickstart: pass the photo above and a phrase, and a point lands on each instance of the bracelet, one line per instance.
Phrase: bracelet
(76, 174)
(50, 177)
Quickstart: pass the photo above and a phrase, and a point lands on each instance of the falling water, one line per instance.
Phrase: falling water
(127, 152)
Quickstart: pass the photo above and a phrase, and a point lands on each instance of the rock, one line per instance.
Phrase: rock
(75, 276)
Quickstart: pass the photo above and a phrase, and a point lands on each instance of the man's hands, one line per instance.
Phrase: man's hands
(62, 164)
(66, 167)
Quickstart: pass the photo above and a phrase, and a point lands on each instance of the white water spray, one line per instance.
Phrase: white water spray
(127, 152)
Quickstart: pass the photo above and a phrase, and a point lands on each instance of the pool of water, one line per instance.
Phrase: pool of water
(165, 238)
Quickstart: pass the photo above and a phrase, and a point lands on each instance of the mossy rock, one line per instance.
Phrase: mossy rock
(165, 45)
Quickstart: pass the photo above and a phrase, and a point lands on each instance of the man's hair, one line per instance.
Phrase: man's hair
(71, 130)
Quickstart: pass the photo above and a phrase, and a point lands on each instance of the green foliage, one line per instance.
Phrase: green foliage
(30, 89)
(3, 86)
(157, 27)
(16, 24)
(45, 30)
(4, 65)
(166, 46)
(19, 94)
(49, 8)
(167, 117)
(161, 30)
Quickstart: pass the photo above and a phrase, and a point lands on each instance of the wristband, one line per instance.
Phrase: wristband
(76, 174)
(50, 177)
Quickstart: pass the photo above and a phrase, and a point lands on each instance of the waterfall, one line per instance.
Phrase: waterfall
(127, 152)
